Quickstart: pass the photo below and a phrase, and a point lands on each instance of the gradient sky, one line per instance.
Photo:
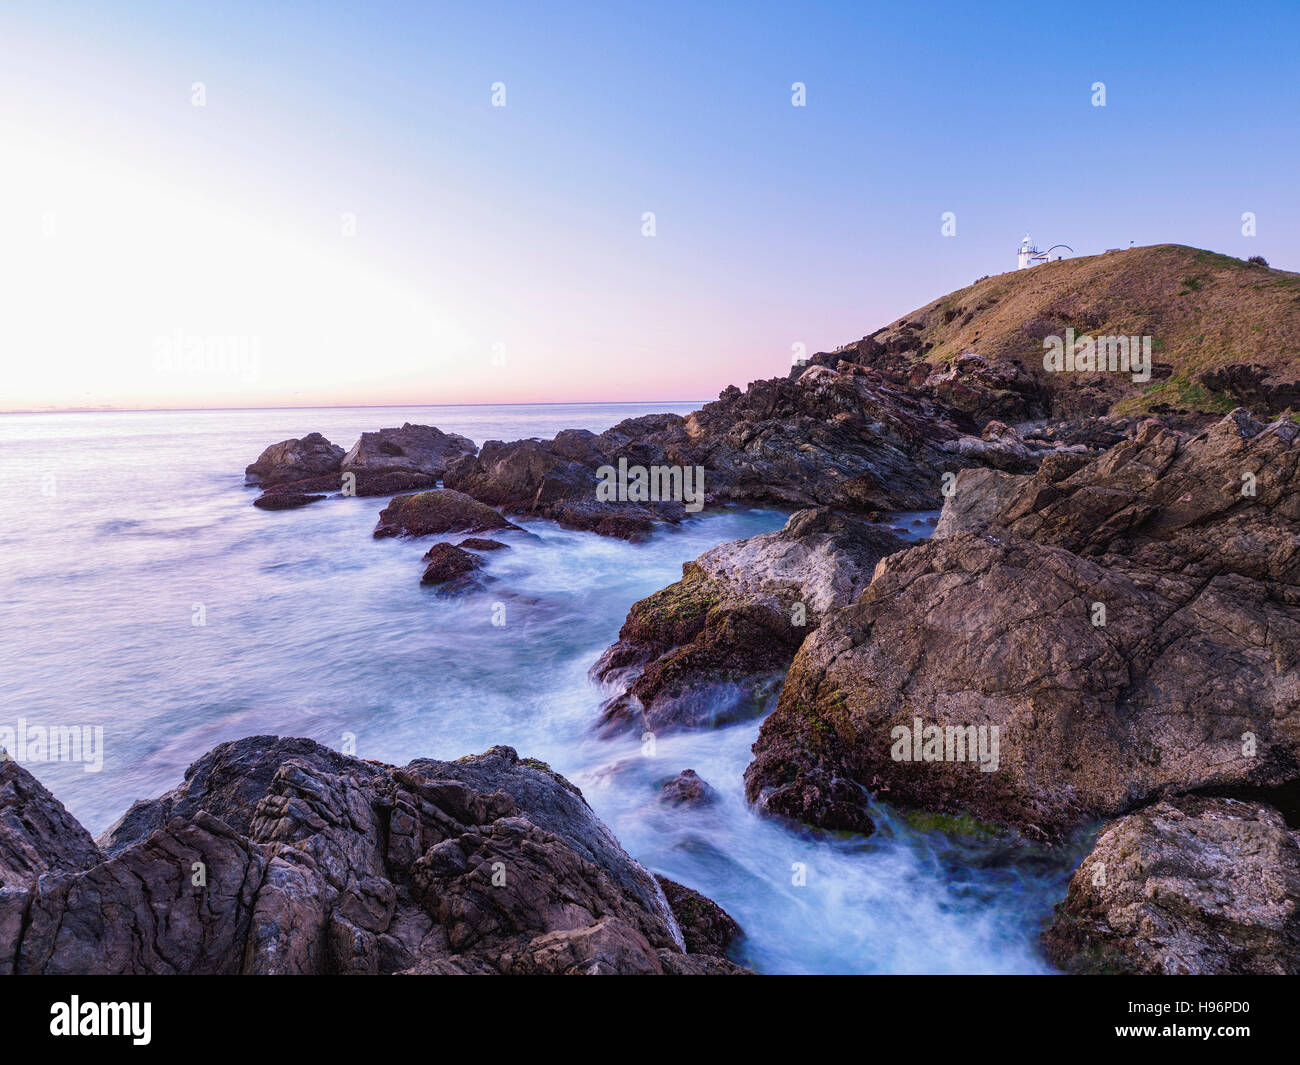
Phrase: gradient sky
(498, 254)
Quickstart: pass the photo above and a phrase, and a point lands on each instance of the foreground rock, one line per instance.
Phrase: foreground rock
(1191, 885)
(1130, 631)
(688, 788)
(707, 927)
(412, 449)
(285, 500)
(282, 856)
(37, 836)
(712, 648)
(448, 565)
(437, 512)
(295, 460)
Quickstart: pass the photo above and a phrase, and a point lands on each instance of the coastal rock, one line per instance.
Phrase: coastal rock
(281, 856)
(359, 483)
(477, 543)
(447, 563)
(707, 927)
(436, 512)
(557, 480)
(412, 449)
(999, 446)
(37, 836)
(1131, 632)
(1192, 885)
(688, 788)
(295, 460)
(285, 500)
(712, 647)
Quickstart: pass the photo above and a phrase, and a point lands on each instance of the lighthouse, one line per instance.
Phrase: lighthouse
(1028, 254)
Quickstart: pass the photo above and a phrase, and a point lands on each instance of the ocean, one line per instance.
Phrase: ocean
(122, 531)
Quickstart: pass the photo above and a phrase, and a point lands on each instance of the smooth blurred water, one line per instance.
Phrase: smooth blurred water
(116, 527)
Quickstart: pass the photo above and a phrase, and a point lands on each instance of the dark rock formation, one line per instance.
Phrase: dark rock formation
(1131, 631)
(37, 836)
(284, 500)
(447, 563)
(688, 788)
(281, 856)
(712, 647)
(707, 927)
(295, 460)
(360, 483)
(436, 512)
(1191, 885)
(477, 543)
(412, 449)
(557, 479)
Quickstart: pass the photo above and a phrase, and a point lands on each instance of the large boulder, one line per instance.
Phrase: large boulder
(281, 856)
(412, 449)
(712, 648)
(1126, 633)
(1192, 885)
(295, 460)
(440, 511)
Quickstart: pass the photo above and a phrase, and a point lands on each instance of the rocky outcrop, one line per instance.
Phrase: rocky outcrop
(412, 449)
(285, 500)
(706, 926)
(1130, 631)
(687, 788)
(295, 460)
(353, 483)
(448, 565)
(558, 479)
(1192, 885)
(37, 836)
(437, 512)
(281, 856)
(478, 543)
(712, 648)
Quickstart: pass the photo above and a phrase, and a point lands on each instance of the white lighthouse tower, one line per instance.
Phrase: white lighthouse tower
(1028, 254)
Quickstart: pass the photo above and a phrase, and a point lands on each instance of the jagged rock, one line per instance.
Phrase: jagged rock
(294, 460)
(708, 928)
(1192, 885)
(448, 563)
(412, 449)
(688, 788)
(436, 512)
(999, 446)
(711, 648)
(37, 836)
(1190, 679)
(284, 500)
(281, 856)
(977, 496)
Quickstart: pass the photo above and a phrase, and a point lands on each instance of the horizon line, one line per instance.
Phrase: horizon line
(346, 406)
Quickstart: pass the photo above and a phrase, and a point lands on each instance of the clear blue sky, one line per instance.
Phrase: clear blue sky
(516, 231)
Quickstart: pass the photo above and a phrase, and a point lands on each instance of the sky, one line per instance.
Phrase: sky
(278, 204)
